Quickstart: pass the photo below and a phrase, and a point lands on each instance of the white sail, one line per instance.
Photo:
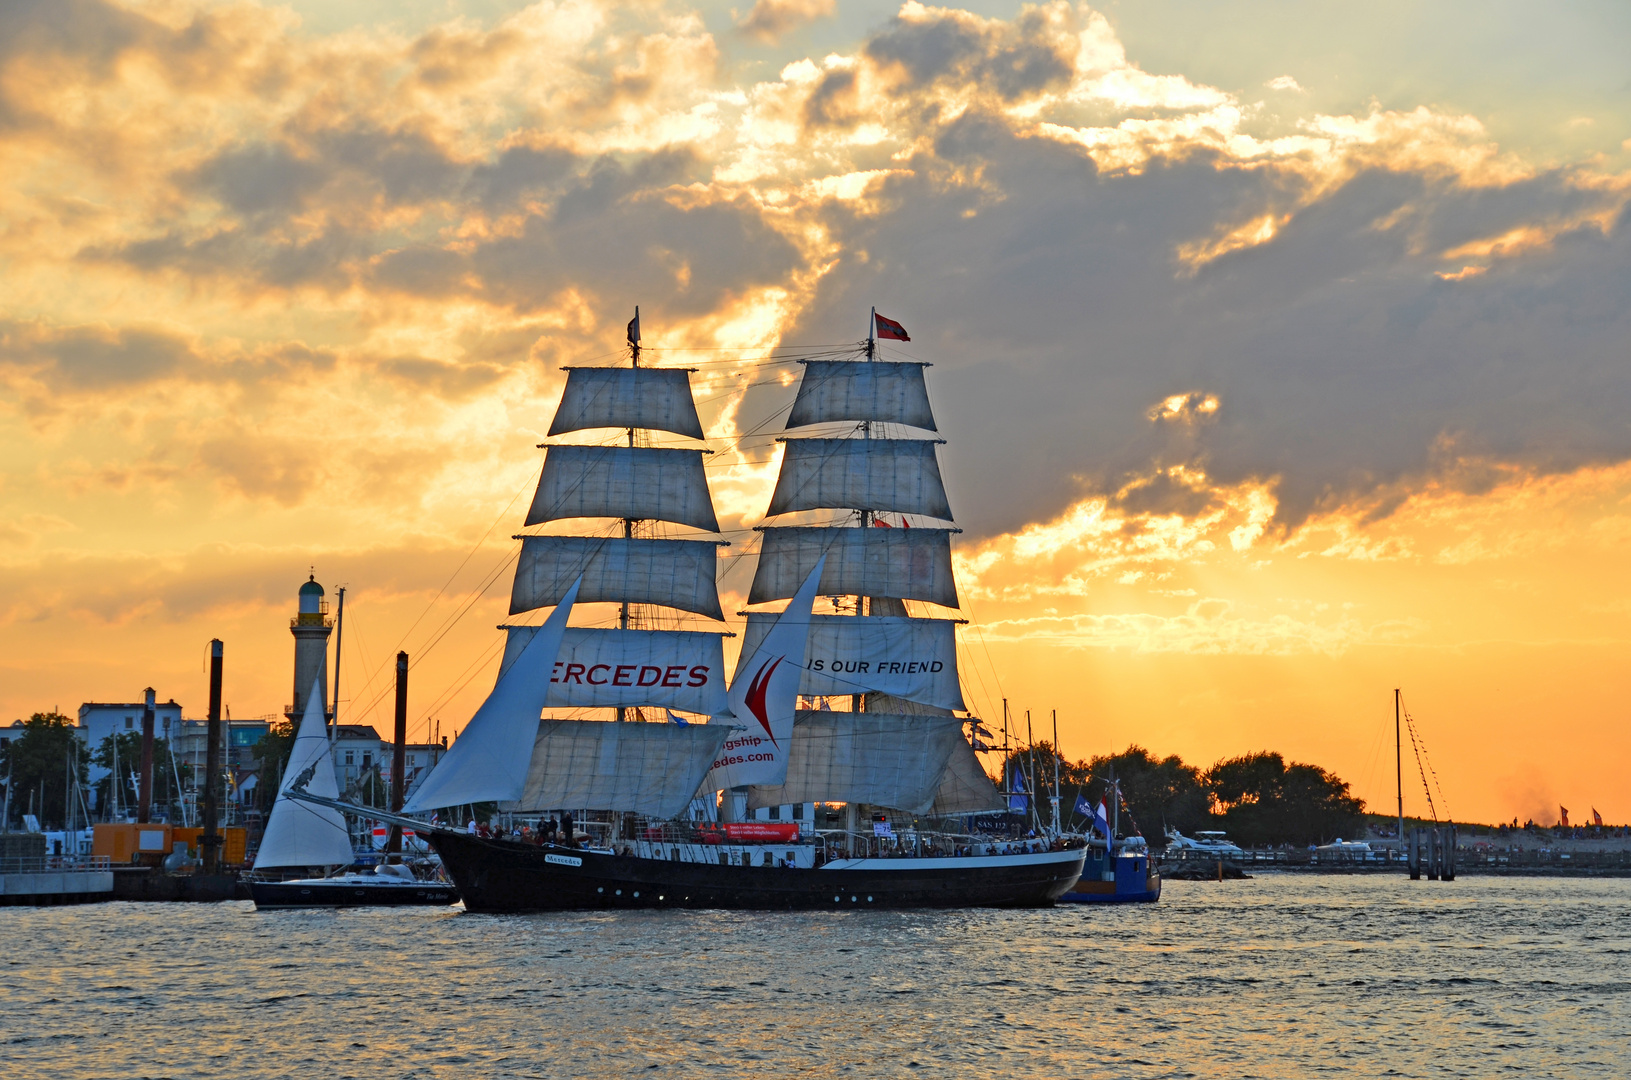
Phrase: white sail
(652, 398)
(964, 787)
(652, 769)
(877, 390)
(764, 698)
(911, 564)
(912, 659)
(299, 833)
(672, 573)
(637, 482)
(897, 475)
(884, 759)
(609, 668)
(488, 761)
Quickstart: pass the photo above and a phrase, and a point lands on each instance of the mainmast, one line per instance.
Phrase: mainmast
(627, 666)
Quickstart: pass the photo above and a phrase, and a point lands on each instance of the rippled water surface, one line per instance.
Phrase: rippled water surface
(1281, 976)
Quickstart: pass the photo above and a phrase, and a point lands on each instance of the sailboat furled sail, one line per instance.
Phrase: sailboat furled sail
(900, 744)
(302, 834)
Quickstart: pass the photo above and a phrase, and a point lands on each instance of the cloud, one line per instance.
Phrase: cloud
(768, 20)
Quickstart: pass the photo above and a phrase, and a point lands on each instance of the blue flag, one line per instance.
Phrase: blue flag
(1083, 807)
(1018, 801)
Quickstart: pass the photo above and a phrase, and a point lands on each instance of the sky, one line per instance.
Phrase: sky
(1280, 349)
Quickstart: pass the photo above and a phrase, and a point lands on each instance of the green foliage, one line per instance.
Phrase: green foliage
(38, 764)
(1260, 799)
(272, 750)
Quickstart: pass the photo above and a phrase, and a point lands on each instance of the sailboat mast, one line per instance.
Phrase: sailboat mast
(339, 637)
(1056, 771)
(1398, 767)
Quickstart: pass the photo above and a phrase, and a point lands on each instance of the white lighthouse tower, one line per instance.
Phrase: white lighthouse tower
(311, 628)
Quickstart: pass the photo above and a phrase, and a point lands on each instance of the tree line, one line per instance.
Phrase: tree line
(1258, 799)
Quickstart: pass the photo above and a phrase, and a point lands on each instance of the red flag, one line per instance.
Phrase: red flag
(889, 328)
(1597, 819)
(880, 523)
(1565, 812)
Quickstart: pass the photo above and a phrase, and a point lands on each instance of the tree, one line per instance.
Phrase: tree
(129, 760)
(38, 764)
(1160, 793)
(1262, 800)
(272, 751)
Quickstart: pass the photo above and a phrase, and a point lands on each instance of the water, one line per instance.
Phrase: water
(1281, 976)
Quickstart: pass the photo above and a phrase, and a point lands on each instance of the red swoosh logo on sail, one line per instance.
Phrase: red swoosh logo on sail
(757, 689)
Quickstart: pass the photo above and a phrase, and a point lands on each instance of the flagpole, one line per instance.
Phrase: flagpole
(871, 324)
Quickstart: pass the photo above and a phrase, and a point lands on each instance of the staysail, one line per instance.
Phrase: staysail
(488, 761)
(764, 698)
(298, 833)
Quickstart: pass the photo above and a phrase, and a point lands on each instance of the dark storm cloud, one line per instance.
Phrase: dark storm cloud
(1058, 314)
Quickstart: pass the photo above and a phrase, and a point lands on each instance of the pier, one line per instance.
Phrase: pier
(42, 881)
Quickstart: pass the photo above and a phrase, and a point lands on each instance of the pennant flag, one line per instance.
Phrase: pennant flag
(634, 327)
(1564, 810)
(880, 523)
(673, 718)
(890, 329)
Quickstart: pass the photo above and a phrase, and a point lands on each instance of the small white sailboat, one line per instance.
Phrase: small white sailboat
(304, 837)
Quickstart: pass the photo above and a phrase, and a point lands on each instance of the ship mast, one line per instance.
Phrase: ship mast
(1398, 767)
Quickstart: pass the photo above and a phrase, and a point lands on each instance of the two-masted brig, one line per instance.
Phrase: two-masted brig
(648, 795)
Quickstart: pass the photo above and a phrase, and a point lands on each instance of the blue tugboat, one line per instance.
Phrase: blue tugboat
(1117, 871)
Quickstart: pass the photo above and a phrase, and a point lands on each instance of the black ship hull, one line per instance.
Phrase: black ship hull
(507, 876)
(310, 893)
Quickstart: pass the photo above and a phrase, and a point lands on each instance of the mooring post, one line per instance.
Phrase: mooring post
(1447, 871)
(1414, 855)
(399, 754)
(144, 791)
(209, 842)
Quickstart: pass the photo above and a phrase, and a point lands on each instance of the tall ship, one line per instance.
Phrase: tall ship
(668, 786)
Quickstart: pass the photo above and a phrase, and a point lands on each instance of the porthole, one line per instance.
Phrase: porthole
(835, 899)
(852, 899)
(637, 896)
(619, 892)
(869, 899)
(601, 889)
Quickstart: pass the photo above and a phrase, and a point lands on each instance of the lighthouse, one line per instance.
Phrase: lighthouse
(311, 628)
